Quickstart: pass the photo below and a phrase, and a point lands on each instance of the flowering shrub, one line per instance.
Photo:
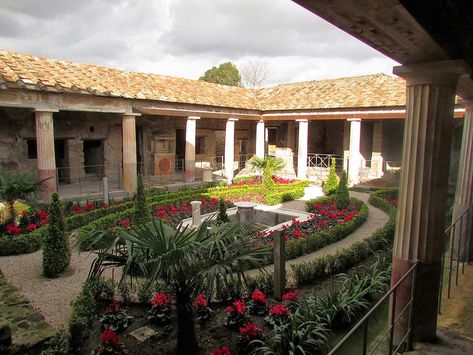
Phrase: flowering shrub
(258, 303)
(223, 350)
(392, 201)
(110, 344)
(115, 318)
(26, 222)
(236, 315)
(124, 223)
(174, 213)
(248, 333)
(290, 300)
(282, 181)
(201, 308)
(160, 312)
(278, 314)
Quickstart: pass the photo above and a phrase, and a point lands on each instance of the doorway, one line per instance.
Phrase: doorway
(93, 157)
(180, 149)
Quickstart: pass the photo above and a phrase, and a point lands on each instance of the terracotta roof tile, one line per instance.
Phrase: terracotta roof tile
(36, 73)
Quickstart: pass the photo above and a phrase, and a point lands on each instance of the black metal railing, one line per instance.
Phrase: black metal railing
(397, 312)
(457, 251)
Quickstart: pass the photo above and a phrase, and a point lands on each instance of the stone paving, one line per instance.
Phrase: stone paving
(28, 327)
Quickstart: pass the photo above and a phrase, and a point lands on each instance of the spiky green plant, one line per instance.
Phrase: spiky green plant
(267, 166)
(188, 260)
(56, 252)
(342, 198)
(15, 186)
(330, 185)
(141, 214)
(222, 216)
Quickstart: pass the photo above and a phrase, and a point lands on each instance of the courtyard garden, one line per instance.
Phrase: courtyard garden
(157, 284)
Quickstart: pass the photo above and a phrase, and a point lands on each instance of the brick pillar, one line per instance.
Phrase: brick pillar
(230, 148)
(260, 138)
(45, 152)
(431, 91)
(189, 160)
(129, 152)
(354, 162)
(302, 149)
(464, 190)
(376, 157)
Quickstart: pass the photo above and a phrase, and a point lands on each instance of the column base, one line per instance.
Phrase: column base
(426, 299)
(189, 175)
(48, 184)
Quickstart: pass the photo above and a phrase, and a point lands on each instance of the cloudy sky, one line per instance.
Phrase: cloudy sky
(186, 37)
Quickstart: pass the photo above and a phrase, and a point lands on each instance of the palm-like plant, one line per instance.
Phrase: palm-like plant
(14, 186)
(189, 260)
(267, 166)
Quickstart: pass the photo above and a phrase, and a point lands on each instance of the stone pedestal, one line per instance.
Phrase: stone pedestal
(354, 159)
(423, 191)
(246, 212)
(129, 153)
(45, 151)
(230, 149)
(189, 160)
(196, 219)
(376, 155)
(302, 149)
(463, 233)
(260, 139)
(279, 253)
(207, 175)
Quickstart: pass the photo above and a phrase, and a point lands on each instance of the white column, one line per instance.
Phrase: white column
(376, 154)
(346, 145)
(354, 161)
(302, 149)
(260, 138)
(45, 152)
(129, 152)
(190, 149)
(230, 148)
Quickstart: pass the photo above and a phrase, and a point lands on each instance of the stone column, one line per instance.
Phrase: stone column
(376, 157)
(302, 149)
(346, 145)
(260, 138)
(354, 161)
(464, 190)
(230, 148)
(129, 152)
(423, 191)
(45, 152)
(196, 219)
(189, 160)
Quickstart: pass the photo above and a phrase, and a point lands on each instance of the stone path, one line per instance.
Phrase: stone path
(28, 327)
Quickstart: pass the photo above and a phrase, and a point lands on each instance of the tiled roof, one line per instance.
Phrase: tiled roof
(376, 90)
(35, 73)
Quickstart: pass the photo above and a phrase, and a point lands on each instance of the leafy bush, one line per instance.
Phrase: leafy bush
(115, 318)
(222, 216)
(58, 344)
(141, 213)
(342, 198)
(330, 185)
(56, 253)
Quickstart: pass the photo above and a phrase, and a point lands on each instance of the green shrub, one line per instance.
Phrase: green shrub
(245, 179)
(342, 198)
(222, 216)
(58, 344)
(83, 312)
(330, 185)
(141, 213)
(56, 253)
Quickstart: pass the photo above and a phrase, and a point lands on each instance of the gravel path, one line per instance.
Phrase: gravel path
(53, 297)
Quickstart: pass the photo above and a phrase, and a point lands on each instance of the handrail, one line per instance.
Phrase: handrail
(364, 321)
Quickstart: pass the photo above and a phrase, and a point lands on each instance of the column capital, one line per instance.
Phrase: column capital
(442, 72)
(232, 119)
(468, 103)
(353, 119)
(302, 120)
(45, 109)
(193, 118)
(261, 121)
(132, 114)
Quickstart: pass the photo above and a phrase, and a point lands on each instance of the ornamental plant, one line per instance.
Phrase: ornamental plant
(201, 308)
(278, 315)
(141, 214)
(258, 303)
(248, 333)
(237, 315)
(56, 252)
(110, 344)
(267, 166)
(115, 318)
(160, 312)
(342, 198)
(330, 185)
(222, 216)
(290, 300)
(223, 350)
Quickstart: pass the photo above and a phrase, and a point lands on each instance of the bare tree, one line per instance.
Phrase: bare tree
(254, 74)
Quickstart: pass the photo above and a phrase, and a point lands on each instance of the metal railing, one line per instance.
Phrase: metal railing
(457, 251)
(397, 313)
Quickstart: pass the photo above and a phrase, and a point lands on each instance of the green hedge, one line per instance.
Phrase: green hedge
(321, 268)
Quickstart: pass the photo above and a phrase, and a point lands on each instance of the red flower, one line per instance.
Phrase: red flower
(223, 350)
(42, 214)
(89, 206)
(111, 338)
(124, 223)
(240, 306)
(115, 307)
(318, 206)
(42, 222)
(200, 301)
(160, 299)
(104, 205)
(278, 310)
(250, 331)
(229, 309)
(22, 213)
(290, 296)
(77, 210)
(31, 227)
(258, 296)
(13, 229)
